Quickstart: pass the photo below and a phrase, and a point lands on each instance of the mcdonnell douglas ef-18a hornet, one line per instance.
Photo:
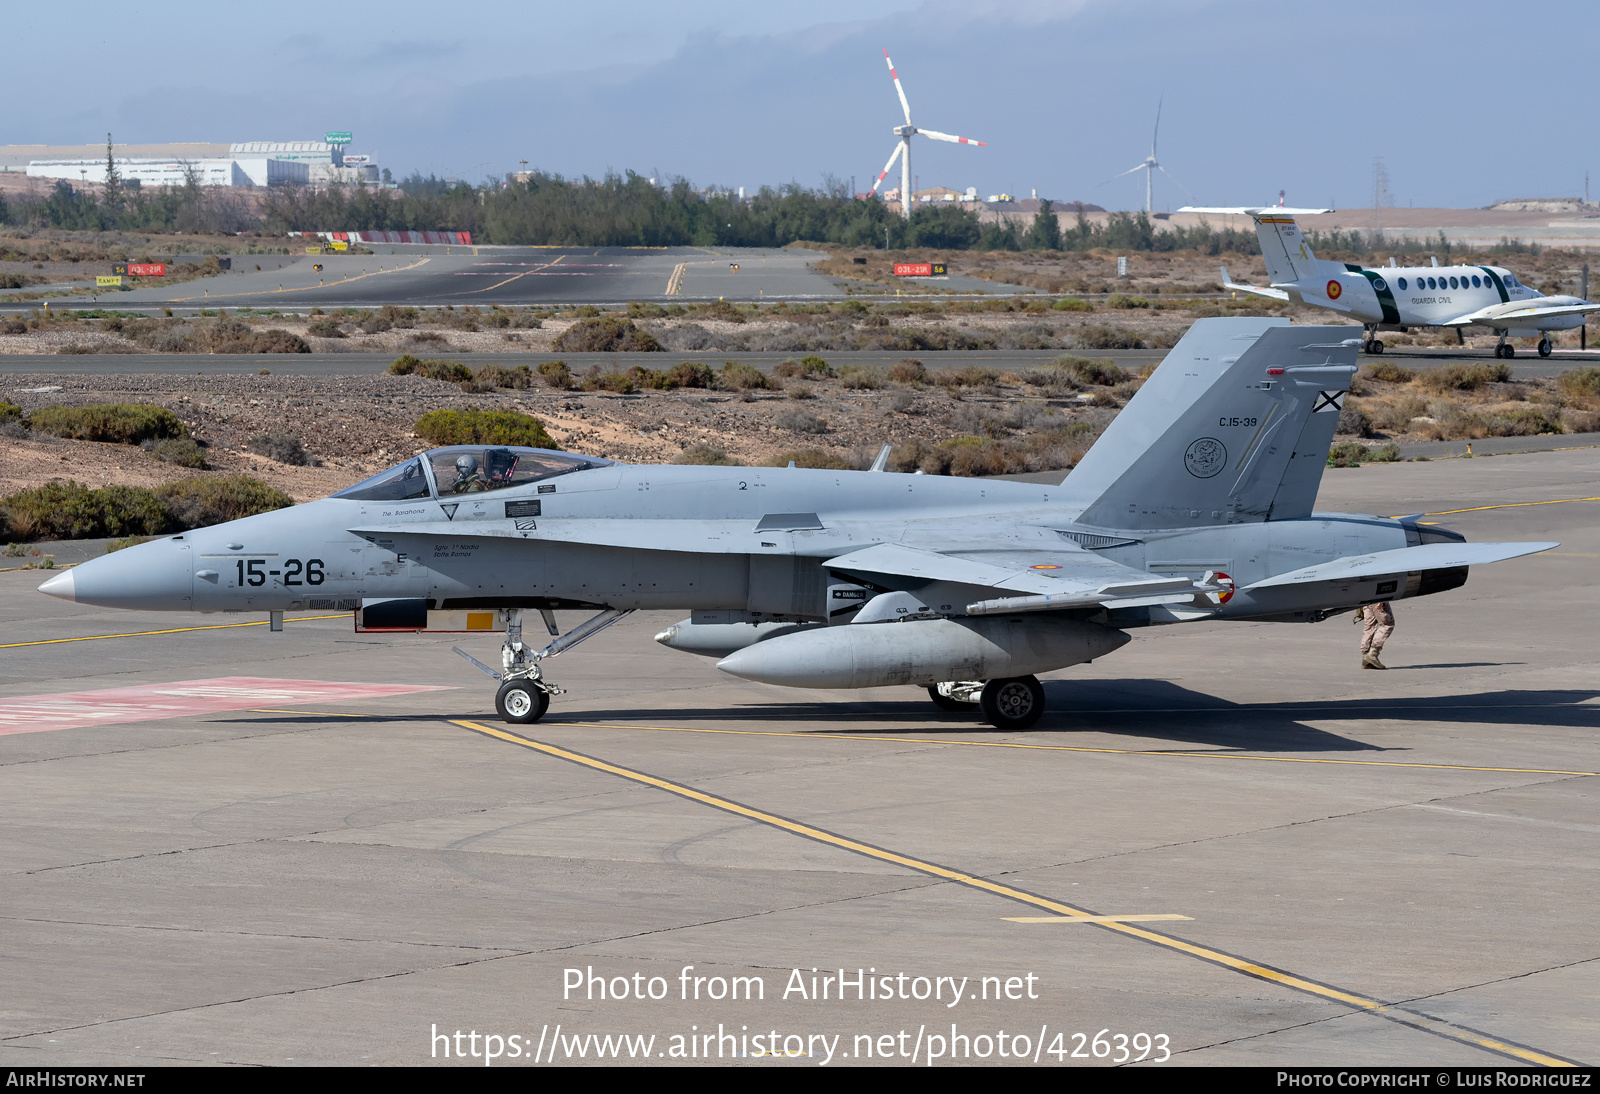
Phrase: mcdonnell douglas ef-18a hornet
(1397, 298)
(1195, 504)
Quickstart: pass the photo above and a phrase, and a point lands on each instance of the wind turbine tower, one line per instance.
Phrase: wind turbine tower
(902, 151)
(1150, 165)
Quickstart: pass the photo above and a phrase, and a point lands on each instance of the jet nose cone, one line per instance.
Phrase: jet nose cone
(60, 586)
(154, 577)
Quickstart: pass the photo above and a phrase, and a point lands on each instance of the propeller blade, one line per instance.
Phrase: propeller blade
(952, 139)
(898, 148)
(897, 88)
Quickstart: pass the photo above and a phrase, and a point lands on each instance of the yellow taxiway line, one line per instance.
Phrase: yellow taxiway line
(1095, 918)
(513, 277)
(305, 288)
(675, 282)
(1504, 505)
(1110, 923)
(174, 630)
(1081, 748)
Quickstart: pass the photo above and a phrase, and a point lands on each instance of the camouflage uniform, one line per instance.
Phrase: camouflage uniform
(1377, 624)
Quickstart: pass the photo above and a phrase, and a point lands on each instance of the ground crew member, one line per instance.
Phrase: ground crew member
(1377, 624)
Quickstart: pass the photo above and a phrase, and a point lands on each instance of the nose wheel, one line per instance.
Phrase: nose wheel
(521, 701)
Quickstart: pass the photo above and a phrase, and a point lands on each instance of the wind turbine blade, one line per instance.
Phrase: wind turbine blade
(897, 88)
(1178, 184)
(1157, 131)
(952, 139)
(900, 146)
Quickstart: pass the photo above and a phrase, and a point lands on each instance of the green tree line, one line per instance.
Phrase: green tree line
(618, 210)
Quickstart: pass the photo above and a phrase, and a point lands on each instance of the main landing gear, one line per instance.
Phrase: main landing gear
(1544, 347)
(1372, 344)
(524, 694)
(1504, 349)
(1013, 702)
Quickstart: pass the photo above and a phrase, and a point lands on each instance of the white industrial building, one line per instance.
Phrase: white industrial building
(248, 163)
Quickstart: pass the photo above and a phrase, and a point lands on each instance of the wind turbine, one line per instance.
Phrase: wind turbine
(1150, 164)
(902, 151)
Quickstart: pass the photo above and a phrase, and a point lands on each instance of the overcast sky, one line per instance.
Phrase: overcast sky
(1468, 102)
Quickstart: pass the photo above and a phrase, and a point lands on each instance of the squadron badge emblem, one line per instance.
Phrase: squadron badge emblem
(1205, 457)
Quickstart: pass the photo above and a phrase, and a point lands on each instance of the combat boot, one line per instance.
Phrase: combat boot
(1371, 659)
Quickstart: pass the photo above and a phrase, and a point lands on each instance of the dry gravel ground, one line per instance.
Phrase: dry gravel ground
(358, 425)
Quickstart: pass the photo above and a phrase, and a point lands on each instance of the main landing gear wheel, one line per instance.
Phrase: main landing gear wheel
(945, 702)
(1375, 347)
(1544, 347)
(520, 702)
(1506, 350)
(1015, 702)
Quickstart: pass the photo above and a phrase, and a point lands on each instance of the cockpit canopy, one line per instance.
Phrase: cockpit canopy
(467, 469)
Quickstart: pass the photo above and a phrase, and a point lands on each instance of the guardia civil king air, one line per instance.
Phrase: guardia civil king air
(1396, 298)
(1195, 504)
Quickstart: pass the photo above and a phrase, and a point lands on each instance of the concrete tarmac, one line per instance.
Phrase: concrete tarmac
(1371, 867)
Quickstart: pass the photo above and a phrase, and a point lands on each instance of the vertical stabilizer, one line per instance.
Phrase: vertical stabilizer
(1284, 248)
(1234, 426)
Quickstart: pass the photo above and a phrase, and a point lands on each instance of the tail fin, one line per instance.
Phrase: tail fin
(1233, 427)
(1284, 248)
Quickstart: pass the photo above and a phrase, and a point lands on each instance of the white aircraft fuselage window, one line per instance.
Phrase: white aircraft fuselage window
(396, 484)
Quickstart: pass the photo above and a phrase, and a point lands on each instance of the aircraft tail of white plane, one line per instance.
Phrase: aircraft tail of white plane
(1288, 256)
(1233, 427)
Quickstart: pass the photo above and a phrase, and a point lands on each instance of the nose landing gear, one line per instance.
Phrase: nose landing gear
(524, 694)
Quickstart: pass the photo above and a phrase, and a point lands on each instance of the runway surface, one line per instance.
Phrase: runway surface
(366, 364)
(1303, 862)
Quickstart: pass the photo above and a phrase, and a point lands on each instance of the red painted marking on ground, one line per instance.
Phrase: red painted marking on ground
(179, 699)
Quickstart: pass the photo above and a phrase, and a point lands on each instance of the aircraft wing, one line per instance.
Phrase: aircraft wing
(1252, 210)
(1057, 578)
(1503, 315)
(1271, 294)
(1404, 560)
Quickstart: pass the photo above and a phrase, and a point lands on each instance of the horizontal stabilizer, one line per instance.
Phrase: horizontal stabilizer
(1233, 286)
(1404, 560)
(1252, 210)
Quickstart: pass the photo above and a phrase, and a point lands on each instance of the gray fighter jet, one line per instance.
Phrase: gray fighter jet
(1196, 503)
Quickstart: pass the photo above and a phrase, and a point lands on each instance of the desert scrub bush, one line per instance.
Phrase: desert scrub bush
(125, 542)
(1072, 303)
(1096, 336)
(442, 427)
(704, 455)
(1125, 302)
(640, 310)
(214, 499)
(434, 368)
(513, 379)
(182, 451)
(862, 377)
(13, 325)
(9, 412)
(556, 374)
(71, 510)
(606, 335)
(619, 382)
(738, 376)
(282, 447)
(1387, 372)
(1354, 454)
(1090, 370)
(1464, 377)
(427, 337)
(1353, 422)
(799, 421)
(1579, 383)
(689, 374)
(811, 457)
(908, 371)
(325, 328)
(117, 423)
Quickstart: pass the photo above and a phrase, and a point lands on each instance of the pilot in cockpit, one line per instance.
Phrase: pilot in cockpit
(470, 478)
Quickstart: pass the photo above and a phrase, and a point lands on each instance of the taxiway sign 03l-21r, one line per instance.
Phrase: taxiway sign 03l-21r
(1196, 504)
(1396, 298)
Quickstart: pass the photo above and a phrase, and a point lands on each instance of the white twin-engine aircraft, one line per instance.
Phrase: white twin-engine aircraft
(1399, 297)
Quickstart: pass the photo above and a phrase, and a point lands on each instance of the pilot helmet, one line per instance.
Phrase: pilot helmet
(466, 465)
